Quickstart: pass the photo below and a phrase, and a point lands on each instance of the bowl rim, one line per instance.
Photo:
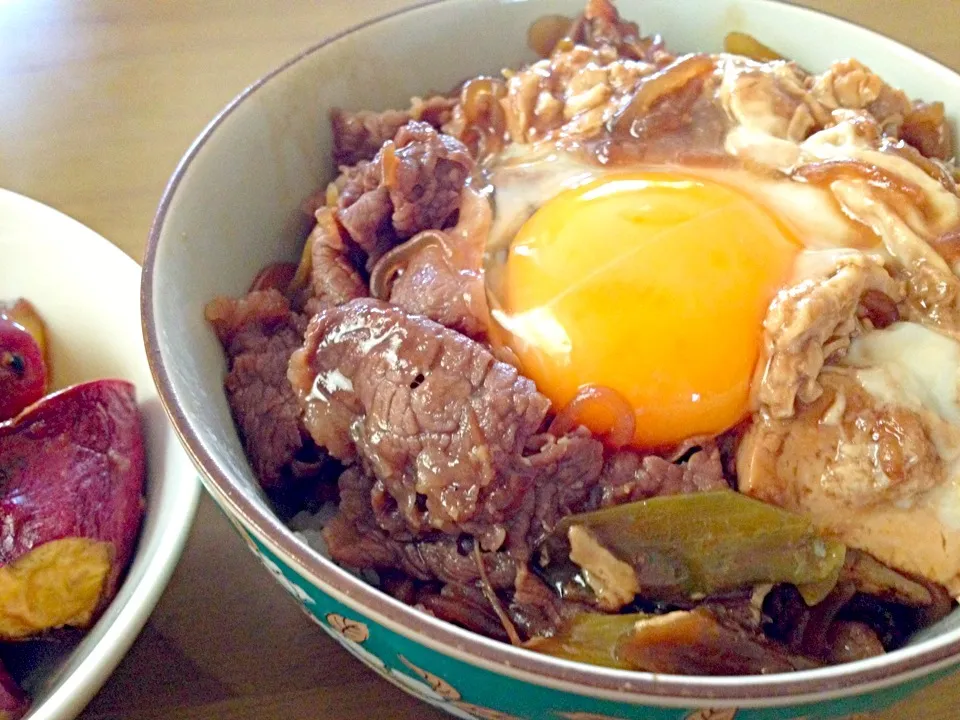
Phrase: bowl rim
(822, 684)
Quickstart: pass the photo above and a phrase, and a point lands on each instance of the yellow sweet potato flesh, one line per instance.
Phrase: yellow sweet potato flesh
(56, 584)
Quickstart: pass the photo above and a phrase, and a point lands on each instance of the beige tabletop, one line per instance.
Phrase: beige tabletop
(98, 100)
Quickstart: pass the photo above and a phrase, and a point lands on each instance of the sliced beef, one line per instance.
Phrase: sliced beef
(426, 178)
(440, 274)
(463, 605)
(432, 286)
(412, 184)
(367, 547)
(601, 26)
(442, 426)
(263, 404)
(478, 119)
(364, 210)
(431, 414)
(258, 310)
(353, 181)
(259, 333)
(355, 540)
(836, 629)
(927, 129)
(333, 275)
(569, 467)
(535, 609)
(532, 608)
(628, 476)
(360, 135)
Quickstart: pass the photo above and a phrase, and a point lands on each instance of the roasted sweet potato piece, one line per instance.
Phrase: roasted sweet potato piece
(24, 314)
(56, 584)
(23, 371)
(13, 701)
(71, 496)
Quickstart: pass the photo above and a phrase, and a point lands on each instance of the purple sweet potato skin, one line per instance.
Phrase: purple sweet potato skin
(73, 465)
(13, 701)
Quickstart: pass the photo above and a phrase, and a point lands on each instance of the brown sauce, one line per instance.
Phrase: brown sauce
(826, 172)
(593, 398)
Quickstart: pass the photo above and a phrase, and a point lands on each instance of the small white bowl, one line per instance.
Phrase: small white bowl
(87, 292)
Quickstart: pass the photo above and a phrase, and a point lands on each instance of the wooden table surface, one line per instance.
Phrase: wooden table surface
(98, 100)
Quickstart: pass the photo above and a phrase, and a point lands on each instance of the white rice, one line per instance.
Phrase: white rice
(308, 526)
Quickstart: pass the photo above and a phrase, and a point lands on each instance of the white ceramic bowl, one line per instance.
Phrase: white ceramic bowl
(87, 291)
(233, 207)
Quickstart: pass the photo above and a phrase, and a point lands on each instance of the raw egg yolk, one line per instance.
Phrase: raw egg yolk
(654, 285)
